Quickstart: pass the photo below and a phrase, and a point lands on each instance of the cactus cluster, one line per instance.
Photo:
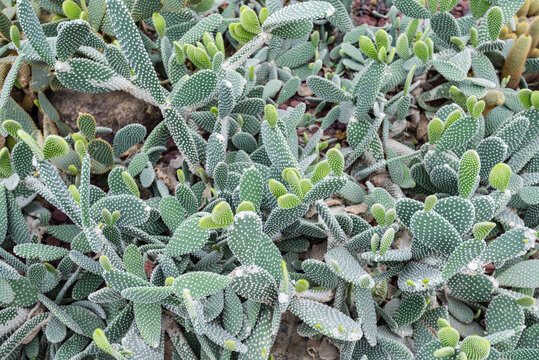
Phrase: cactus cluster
(443, 263)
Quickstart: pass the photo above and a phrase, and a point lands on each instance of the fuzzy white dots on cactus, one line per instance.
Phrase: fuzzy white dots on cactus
(62, 66)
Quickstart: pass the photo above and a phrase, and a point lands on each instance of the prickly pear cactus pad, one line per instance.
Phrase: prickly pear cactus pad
(361, 177)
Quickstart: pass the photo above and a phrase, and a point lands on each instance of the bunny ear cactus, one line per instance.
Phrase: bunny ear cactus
(475, 347)
(499, 177)
(442, 252)
(448, 344)
(470, 165)
(249, 25)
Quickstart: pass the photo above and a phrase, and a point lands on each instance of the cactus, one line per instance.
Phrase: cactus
(215, 255)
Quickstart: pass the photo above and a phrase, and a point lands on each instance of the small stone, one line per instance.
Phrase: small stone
(379, 180)
(333, 202)
(317, 251)
(114, 109)
(327, 351)
(176, 161)
(398, 127)
(356, 209)
(305, 91)
(311, 212)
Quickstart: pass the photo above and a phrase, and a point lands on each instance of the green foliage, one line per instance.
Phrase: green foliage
(469, 168)
(444, 247)
(197, 89)
(40, 251)
(476, 347)
(326, 320)
(188, 237)
(449, 336)
(55, 146)
(499, 177)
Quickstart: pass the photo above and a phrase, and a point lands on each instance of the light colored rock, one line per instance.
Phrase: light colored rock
(304, 91)
(113, 109)
(327, 351)
(356, 209)
(333, 202)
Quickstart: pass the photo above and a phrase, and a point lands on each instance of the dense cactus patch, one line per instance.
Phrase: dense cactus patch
(441, 264)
